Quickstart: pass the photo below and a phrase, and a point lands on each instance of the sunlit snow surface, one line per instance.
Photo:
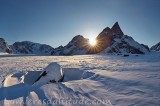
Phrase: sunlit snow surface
(110, 80)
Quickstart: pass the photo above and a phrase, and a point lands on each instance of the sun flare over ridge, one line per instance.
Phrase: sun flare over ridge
(92, 41)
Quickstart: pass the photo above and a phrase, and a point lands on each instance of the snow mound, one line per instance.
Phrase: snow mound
(52, 73)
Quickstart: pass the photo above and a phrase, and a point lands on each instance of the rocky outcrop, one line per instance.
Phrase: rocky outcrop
(4, 47)
(105, 38)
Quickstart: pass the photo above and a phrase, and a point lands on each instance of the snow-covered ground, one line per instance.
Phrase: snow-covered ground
(88, 80)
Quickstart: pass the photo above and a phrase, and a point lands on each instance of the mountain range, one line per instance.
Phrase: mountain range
(109, 41)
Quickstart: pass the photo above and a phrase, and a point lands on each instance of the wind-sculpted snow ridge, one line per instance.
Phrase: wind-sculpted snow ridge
(89, 80)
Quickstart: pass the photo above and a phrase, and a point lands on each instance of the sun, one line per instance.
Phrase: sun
(92, 41)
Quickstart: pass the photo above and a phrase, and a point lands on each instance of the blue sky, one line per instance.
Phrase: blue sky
(56, 22)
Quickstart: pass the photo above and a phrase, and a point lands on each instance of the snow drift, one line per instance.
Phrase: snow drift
(52, 73)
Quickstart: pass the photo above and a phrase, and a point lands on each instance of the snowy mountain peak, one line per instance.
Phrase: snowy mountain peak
(4, 47)
(77, 37)
(105, 38)
(116, 29)
(107, 29)
(78, 45)
(114, 41)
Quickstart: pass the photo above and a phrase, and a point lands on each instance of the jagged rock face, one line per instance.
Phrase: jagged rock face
(27, 47)
(105, 38)
(116, 30)
(156, 47)
(4, 47)
(114, 41)
(78, 45)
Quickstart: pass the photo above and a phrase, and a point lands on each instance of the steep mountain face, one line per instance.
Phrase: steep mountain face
(114, 41)
(4, 46)
(156, 47)
(126, 44)
(27, 47)
(105, 38)
(77, 46)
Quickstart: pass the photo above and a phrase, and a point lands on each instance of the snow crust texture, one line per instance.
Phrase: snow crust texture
(89, 80)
